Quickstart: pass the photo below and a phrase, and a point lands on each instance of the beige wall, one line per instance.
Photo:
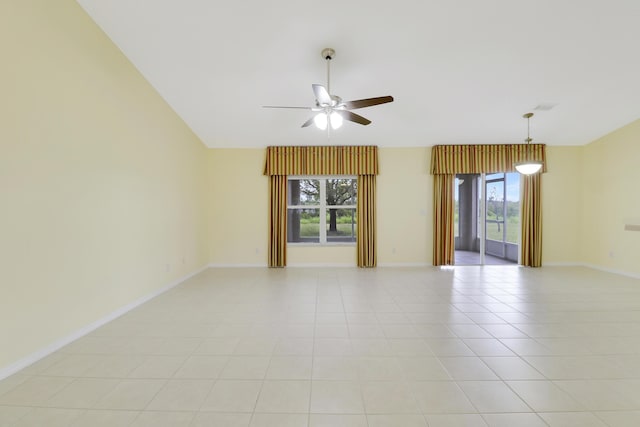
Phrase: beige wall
(102, 185)
(238, 230)
(405, 206)
(238, 197)
(238, 200)
(612, 199)
(562, 206)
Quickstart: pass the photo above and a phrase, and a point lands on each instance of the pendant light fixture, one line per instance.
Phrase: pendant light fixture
(528, 167)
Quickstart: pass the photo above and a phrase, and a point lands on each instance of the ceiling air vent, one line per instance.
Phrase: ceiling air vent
(545, 106)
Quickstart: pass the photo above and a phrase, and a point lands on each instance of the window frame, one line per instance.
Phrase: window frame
(323, 208)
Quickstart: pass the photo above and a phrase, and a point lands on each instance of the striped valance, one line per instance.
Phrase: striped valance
(454, 159)
(322, 160)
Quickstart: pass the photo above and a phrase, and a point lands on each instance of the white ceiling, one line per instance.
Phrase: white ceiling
(461, 71)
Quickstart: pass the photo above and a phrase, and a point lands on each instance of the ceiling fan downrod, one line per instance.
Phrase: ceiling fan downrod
(328, 54)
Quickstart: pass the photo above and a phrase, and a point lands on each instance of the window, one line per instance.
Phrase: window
(321, 210)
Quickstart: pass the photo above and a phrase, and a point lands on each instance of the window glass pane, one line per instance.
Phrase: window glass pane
(341, 225)
(513, 206)
(495, 210)
(321, 210)
(303, 192)
(491, 176)
(303, 225)
(341, 191)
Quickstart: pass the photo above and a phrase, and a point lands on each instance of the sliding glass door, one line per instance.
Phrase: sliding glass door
(487, 218)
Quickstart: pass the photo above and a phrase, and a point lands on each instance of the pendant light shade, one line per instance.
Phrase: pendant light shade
(528, 167)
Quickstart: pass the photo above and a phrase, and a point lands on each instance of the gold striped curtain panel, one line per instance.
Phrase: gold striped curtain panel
(322, 160)
(454, 159)
(449, 160)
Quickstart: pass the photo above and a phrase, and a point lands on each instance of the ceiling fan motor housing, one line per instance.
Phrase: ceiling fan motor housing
(328, 53)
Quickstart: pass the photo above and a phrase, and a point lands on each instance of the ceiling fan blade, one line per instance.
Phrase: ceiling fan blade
(322, 95)
(308, 122)
(277, 106)
(353, 117)
(362, 103)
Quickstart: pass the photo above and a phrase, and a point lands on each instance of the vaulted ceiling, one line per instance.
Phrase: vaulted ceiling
(462, 71)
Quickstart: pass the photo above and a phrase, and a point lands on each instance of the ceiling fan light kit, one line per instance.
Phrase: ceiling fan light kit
(531, 166)
(336, 120)
(330, 110)
(320, 120)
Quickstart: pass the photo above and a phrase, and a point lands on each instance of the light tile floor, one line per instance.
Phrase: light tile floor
(464, 258)
(300, 347)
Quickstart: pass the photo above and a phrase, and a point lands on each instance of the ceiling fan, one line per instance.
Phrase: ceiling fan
(331, 109)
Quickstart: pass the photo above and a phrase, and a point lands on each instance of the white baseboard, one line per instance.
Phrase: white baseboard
(42, 353)
(238, 265)
(613, 270)
(423, 264)
(321, 265)
(301, 265)
(404, 264)
(564, 264)
(593, 266)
